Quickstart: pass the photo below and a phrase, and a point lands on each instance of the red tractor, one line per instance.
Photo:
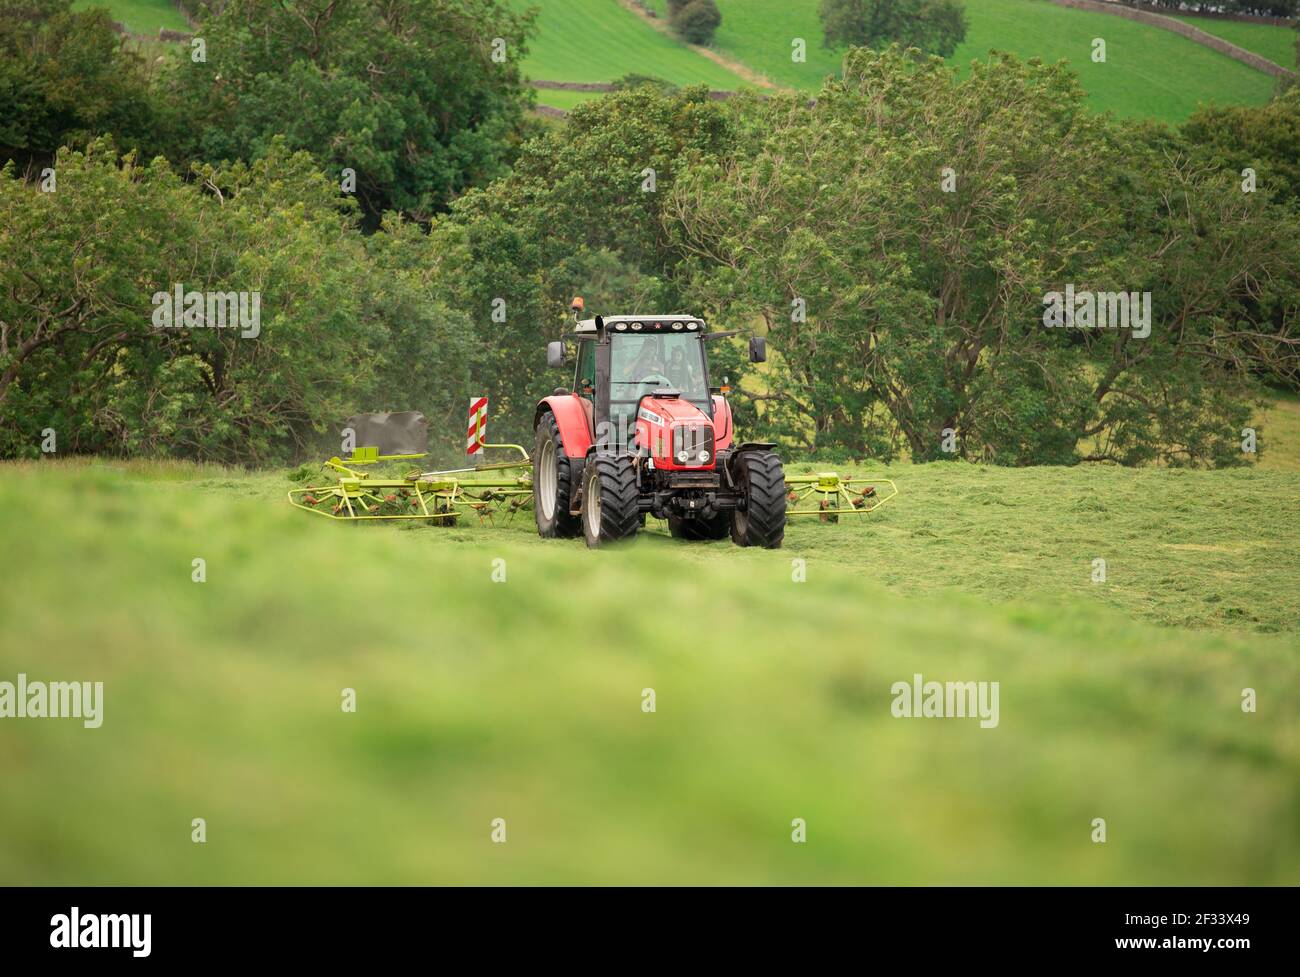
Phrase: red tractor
(642, 432)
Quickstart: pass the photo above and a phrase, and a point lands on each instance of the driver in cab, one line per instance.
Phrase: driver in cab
(649, 363)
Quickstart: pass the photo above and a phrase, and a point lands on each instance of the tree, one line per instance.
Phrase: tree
(581, 213)
(1265, 138)
(636, 80)
(346, 322)
(421, 98)
(1257, 8)
(922, 221)
(66, 77)
(696, 21)
(933, 26)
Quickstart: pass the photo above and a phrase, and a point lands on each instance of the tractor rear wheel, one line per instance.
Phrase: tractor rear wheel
(700, 529)
(760, 521)
(609, 500)
(552, 482)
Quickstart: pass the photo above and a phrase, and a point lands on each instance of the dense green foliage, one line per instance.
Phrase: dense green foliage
(66, 77)
(409, 94)
(931, 26)
(922, 220)
(1266, 139)
(576, 216)
(344, 320)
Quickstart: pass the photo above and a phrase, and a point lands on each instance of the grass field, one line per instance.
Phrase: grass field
(599, 40)
(1148, 72)
(140, 16)
(1267, 40)
(522, 699)
(561, 99)
(1281, 423)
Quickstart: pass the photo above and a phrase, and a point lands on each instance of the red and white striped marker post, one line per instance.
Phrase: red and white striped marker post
(477, 426)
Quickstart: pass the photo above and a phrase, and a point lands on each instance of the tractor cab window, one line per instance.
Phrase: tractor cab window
(639, 364)
(584, 381)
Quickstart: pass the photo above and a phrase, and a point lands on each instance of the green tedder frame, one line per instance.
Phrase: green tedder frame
(834, 496)
(439, 496)
(442, 496)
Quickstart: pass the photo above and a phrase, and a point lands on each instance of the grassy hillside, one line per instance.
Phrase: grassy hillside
(561, 99)
(1148, 72)
(522, 699)
(1267, 40)
(599, 40)
(140, 16)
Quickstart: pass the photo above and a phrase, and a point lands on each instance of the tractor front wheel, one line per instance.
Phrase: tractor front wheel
(760, 520)
(609, 500)
(552, 482)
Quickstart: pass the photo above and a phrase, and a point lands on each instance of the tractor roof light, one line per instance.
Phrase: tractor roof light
(692, 325)
(636, 325)
(621, 327)
(677, 325)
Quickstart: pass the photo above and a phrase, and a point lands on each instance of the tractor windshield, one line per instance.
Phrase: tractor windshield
(639, 364)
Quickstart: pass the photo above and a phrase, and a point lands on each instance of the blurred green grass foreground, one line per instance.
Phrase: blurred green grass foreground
(523, 699)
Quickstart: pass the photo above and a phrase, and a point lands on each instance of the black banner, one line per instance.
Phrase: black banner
(167, 927)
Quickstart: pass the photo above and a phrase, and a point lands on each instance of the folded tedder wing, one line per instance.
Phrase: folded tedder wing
(438, 496)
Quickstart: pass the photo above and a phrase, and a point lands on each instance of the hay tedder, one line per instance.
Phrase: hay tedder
(640, 432)
(363, 492)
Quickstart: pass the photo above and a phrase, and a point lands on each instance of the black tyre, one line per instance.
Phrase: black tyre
(552, 482)
(761, 520)
(609, 500)
(698, 530)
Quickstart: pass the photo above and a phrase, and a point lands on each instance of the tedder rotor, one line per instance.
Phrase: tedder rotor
(360, 493)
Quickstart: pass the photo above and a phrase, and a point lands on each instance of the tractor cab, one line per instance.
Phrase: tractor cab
(650, 358)
(642, 432)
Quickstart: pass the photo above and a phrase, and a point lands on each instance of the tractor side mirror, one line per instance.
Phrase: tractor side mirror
(757, 349)
(555, 354)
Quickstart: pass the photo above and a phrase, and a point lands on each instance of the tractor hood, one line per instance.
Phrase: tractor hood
(677, 434)
(671, 409)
